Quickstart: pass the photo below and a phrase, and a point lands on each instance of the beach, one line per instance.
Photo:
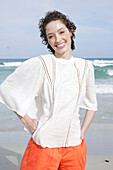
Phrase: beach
(99, 140)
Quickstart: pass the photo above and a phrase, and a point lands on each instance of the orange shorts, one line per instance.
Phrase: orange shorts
(62, 158)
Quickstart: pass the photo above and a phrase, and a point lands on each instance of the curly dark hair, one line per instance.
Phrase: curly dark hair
(53, 16)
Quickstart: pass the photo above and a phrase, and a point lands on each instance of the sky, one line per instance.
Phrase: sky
(20, 37)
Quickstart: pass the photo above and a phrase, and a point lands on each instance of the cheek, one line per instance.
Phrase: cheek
(67, 36)
(50, 42)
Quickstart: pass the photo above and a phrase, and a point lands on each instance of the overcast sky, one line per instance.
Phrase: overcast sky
(19, 34)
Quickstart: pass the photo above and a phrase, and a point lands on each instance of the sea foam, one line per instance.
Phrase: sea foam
(110, 72)
(104, 88)
(103, 63)
(10, 64)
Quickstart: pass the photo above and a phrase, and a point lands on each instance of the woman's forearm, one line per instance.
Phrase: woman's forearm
(31, 124)
(87, 121)
(20, 117)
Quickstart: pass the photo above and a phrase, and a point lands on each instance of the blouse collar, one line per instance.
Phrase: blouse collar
(63, 61)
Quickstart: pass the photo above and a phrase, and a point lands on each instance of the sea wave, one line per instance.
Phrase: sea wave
(110, 72)
(102, 63)
(104, 88)
(10, 64)
(104, 72)
(96, 63)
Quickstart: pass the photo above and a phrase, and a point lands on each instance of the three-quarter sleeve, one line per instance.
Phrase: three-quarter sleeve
(19, 89)
(89, 101)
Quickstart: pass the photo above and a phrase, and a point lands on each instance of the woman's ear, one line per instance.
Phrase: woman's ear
(71, 31)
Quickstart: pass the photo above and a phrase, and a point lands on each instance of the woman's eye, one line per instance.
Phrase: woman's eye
(62, 32)
(50, 37)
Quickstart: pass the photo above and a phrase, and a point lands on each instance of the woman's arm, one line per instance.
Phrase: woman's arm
(87, 121)
(31, 124)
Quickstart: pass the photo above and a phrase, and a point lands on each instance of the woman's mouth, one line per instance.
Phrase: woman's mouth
(61, 45)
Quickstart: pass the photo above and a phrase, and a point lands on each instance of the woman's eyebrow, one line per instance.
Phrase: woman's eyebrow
(57, 30)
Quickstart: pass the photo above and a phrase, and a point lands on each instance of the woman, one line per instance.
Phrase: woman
(53, 88)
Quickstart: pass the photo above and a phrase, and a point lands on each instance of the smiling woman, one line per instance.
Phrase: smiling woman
(59, 38)
(53, 88)
(58, 17)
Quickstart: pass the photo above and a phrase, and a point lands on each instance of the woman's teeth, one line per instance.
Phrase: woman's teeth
(61, 45)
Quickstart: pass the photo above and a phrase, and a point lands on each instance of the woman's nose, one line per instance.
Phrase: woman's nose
(58, 38)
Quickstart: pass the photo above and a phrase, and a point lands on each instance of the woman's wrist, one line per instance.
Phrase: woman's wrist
(83, 132)
(25, 119)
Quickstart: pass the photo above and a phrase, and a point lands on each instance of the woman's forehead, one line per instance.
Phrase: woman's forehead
(54, 26)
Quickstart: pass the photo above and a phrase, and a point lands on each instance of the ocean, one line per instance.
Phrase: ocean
(103, 68)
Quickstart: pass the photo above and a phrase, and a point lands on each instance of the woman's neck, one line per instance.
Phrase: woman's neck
(66, 56)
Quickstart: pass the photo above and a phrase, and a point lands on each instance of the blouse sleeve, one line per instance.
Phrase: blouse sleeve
(89, 101)
(19, 89)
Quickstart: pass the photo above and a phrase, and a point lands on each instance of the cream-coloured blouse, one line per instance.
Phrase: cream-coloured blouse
(52, 90)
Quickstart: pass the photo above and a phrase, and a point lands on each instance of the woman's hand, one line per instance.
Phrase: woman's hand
(31, 124)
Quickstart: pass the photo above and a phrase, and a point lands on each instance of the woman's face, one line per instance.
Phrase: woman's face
(59, 37)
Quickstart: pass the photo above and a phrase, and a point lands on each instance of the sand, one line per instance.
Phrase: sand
(99, 140)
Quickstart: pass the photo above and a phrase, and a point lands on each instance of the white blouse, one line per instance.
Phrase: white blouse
(52, 90)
